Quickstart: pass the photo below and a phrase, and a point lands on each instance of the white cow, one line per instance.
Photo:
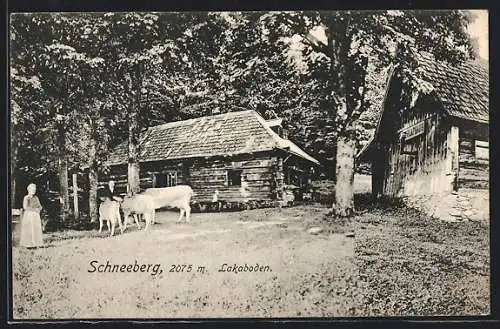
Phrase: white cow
(109, 211)
(139, 204)
(172, 197)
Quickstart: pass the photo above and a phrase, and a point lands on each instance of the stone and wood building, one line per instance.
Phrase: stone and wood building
(439, 145)
(230, 157)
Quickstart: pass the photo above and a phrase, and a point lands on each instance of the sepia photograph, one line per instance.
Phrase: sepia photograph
(249, 164)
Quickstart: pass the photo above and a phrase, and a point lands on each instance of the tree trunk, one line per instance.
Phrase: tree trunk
(13, 166)
(75, 197)
(133, 134)
(13, 191)
(343, 205)
(63, 187)
(93, 193)
(93, 178)
(133, 154)
(344, 186)
(63, 174)
(133, 163)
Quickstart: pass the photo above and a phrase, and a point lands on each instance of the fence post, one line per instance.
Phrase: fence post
(75, 197)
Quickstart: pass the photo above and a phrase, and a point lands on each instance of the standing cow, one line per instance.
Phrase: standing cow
(109, 211)
(173, 197)
(136, 206)
(151, 199)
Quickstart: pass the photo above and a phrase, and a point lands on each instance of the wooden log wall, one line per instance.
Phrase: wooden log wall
(279, 179)
(418, 165)
(473, 171)
(208, 176)
(205, 176)
(378, 169)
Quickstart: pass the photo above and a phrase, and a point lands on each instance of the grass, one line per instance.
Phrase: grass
(412, 265)
(399, 263)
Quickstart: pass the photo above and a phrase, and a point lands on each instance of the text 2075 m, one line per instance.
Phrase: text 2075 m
(186, 268)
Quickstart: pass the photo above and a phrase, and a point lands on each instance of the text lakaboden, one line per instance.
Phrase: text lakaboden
(235, 268)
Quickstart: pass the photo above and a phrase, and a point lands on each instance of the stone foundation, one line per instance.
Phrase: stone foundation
(465, 204)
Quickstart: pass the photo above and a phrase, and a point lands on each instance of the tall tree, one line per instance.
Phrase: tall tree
(102, 101)
(21, 90)
(69, 83)
(25, 93)
(137, 46)
(40, 51)
(352, 38)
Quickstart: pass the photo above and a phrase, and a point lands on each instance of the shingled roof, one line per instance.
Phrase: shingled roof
(462, 89)
(231, 133)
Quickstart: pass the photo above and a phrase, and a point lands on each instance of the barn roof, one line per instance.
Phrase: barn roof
(232, 133)
(463, 89)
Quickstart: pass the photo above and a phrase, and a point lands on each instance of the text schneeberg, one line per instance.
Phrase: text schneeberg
(95, 266)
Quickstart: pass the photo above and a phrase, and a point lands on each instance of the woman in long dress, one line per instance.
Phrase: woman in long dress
(31, 224)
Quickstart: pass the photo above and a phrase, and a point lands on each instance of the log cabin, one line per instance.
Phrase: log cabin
(439, 144)
(230, 157)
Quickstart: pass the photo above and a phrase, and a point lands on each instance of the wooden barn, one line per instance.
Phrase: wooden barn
(231, 157)
(438, 144)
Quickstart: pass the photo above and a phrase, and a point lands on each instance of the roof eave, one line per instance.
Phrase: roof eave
(196, 156)
(285, 149)
(311, 159)
(487, 122)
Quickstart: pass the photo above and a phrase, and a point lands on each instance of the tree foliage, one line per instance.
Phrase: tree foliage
(88, 81)
(338, 63)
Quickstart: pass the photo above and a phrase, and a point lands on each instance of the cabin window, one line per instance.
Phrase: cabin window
(482, 150)
(234, 177)
(166, 179)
